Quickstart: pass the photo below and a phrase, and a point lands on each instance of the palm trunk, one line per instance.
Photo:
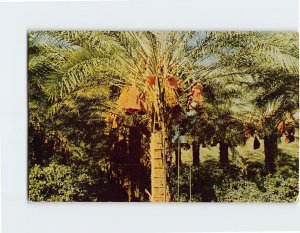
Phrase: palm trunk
(224, 159)
(135, 144)
(136, 185)
(178, 156)
(196, 153)
(159, 187)
(270, 146)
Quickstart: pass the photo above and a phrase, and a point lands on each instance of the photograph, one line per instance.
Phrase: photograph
(163, 116)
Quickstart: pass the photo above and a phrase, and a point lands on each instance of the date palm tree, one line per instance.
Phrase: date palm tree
(276, 98)
(265, 66)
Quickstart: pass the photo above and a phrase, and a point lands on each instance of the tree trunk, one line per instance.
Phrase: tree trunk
(159, 186)
(271, 149)
(126, 166)
(177, 156)
(136, 172)
(224, 159)
(135, 144)
(196, 153)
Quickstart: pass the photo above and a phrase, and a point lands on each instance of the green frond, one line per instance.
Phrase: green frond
(48, 39)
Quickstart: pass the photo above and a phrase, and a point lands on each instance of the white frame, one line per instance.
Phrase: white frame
(16, 19)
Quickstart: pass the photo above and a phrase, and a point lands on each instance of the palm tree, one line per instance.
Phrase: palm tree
(276, 98)
(266, 66)
(161, 62)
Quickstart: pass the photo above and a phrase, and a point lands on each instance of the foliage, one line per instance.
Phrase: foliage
(212, 184)
(274, 188)
(59, 183)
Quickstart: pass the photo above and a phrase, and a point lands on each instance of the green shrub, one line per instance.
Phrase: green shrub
(279, 189)
(58, 183)
(238, 191)
(275, 189)
(212, 184)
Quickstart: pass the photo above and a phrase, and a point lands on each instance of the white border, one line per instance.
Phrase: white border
(19, 216)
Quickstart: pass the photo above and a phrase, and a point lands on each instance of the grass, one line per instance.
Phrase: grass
(247, 153)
